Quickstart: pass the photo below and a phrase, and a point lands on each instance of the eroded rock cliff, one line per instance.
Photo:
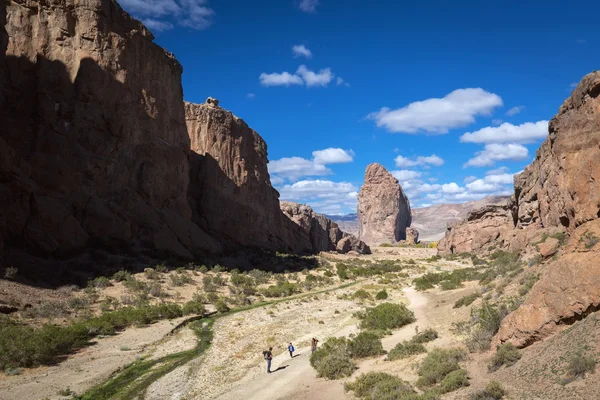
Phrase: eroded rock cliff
(383, 208)
(323, 233)
(230, 188)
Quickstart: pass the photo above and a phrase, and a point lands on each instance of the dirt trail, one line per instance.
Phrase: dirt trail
(298, 381)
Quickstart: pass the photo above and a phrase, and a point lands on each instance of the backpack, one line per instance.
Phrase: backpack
(266, 354)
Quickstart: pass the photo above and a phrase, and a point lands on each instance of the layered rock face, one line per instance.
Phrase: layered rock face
(323, 233)
(230, 188)
(479, 229)
(93, 137)
(383, 208)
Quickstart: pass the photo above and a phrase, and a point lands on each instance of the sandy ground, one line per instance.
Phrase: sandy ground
(96, 363)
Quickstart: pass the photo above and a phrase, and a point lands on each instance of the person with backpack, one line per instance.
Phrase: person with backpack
(268, 355)
(313, 345)
(291, 350)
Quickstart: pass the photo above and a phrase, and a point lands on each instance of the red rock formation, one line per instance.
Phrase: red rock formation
(323, 233)
(231, 188)
(383, 208)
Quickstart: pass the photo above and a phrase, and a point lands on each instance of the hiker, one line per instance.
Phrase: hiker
(268, 355)
(291, 350)
(313, 345)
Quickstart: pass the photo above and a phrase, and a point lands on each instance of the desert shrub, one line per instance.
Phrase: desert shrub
(580, 364)
(155, 289)
(506, 354)
(332, 360)
(194, 307)
(121, 276)
(433, 245)
(386, 245)
(379, 386)
(486, 321)
(466, 300)
(405, 349)
(365, 344)
(560, 236)
(151, 273)
(78, 303)
(10, 273)
(181, 279)
(221, 306)
(493, 391)
(451, 284)
(47, 309)
(100, 282)
(589, 239)
(361, 294)
(282, 289)
(426, 336)
(386, 316)
(219, 280)
(382, 295)
(135, 285)
(438, 364)
(260, 277)
(109, 304)
(453, 381)
(342, 271)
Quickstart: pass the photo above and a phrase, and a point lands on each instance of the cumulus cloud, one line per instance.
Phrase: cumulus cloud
(405, 174)
(469, 179)
(311, 78)
(303, 76)
(279, 79)
(301, 51)
(498, 152)
(293, 168)
(514, 110)
(323, 196)
(524, 133)
(308, 6)
(160, 15)
(497, 121)
(403, 162)
(438, 115)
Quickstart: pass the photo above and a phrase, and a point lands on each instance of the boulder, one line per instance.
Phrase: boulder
(412, 236)
(549, 247)
(383, 208)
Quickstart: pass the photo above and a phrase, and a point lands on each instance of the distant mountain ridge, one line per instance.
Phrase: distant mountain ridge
(431, 222)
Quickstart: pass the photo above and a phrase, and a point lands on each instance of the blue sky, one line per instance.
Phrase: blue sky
(453, 97)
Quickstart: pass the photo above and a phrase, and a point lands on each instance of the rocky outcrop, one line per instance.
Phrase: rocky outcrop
(323, 233)
(230, 187)
(479, 229)
(412, 236)
(383, 208)
(93, 137)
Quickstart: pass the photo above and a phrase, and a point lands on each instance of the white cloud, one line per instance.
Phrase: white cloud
(498, 152)
(251, 95)
(452, 188)
(160, 15)
(303, 76)
(524, 133)
(297, 167)
(293, 168)
(339, 81)
(497, 121)
(514, 110)
(458, 108)
(469, 179)
(323, 196)
(322, 78)
(308, 6)
(279, 79)
(332, 156)
(403, 162)
(301, 51)
(405, 174)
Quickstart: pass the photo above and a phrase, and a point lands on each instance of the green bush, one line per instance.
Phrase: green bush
(589, 239)
(580, 365)
(332, 360)
(361, 294)
(10, 273)
(381, 295)
(466, 300)
(386, 245)
(342, 271)
(506, 354)
(493, 391)
(121, 276)
(194, 307)
(151, 273)
(365, 344)
(379, 386)
(282, 289)
(405, 349)
(161, 268)
(438, 364)
(181, 279)
(453, 381)
(221, 306)
(486, 320)
(100, 282)
(426, 336)
(386, 316)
